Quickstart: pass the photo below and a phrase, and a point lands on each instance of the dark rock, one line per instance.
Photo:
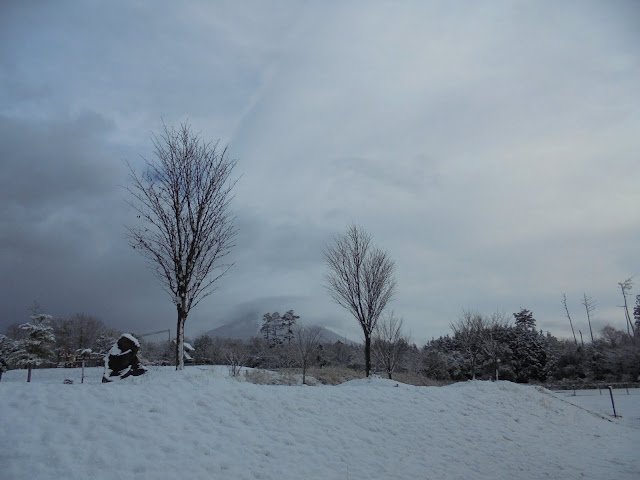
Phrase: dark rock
(122, 360)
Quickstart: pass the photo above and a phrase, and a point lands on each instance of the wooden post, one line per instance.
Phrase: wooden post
(613, 404)
(82, 378)
(29, 374)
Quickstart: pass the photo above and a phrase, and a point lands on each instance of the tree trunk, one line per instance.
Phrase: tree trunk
(367, 354)
(473, 367)
(304, 373)
(182, 318)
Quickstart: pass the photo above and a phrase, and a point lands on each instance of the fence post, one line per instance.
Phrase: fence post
(613, 404)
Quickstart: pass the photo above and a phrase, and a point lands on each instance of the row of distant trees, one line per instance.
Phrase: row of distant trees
(479, 346)
(494, 347)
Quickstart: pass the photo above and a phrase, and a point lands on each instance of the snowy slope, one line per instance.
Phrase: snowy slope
(198, 424)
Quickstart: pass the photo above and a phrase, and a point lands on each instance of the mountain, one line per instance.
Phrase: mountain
(247, 326)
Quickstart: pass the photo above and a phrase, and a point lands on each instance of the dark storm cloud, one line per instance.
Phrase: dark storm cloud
(61, 216)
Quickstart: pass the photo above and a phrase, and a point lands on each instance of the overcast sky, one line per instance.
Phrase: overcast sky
(491, 147)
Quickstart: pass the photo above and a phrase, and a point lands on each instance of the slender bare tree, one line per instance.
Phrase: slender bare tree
(182, 200)
(360, 278)
(390, 344)
(625, 287)
(566, 309)
(305, 342)
(590, 306)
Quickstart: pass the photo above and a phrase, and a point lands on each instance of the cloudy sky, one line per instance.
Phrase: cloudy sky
(491, 147)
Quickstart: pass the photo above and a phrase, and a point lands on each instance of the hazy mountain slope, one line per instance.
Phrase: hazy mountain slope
(247, 326)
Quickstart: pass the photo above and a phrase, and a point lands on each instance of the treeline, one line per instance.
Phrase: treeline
(479, 346)
(489, 347)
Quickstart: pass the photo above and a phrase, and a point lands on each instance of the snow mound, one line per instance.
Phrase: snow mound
(166, 423)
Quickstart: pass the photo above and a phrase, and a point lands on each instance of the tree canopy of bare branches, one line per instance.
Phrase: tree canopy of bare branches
(182, 200)
(306, 341)
(470, 333)
(360, 278)
(390, 344)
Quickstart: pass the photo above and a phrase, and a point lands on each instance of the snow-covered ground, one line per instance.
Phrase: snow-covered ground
(199, 424)
(627, 403)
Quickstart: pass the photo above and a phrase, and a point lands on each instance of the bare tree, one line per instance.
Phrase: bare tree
(590, 306)
(470, 333)
(566, 309)
(79, 332)
(236, 355)
(360, 278)
(182, 200)
(390, 344)
(625, 287)
(495, 344)
(305, 343)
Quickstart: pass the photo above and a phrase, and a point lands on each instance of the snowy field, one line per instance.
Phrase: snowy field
(199, 424)
(627, 403)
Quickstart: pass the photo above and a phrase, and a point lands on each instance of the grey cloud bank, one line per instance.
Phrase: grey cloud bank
(492, 149)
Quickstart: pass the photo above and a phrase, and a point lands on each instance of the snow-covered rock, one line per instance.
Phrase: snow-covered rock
(122, 360)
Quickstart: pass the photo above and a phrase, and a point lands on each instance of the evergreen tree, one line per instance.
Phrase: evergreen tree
(7, 347)
(528, 346)
(36, 348)
(288, 323)
(271, 328)
(524, 320)
(265, 329)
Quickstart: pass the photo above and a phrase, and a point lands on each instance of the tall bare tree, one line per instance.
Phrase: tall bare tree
(590, 306)
(626, 287)
(186, 229)
(360, 278)
(566, 309)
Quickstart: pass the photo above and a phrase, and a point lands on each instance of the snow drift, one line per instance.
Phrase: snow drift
(199, 424)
